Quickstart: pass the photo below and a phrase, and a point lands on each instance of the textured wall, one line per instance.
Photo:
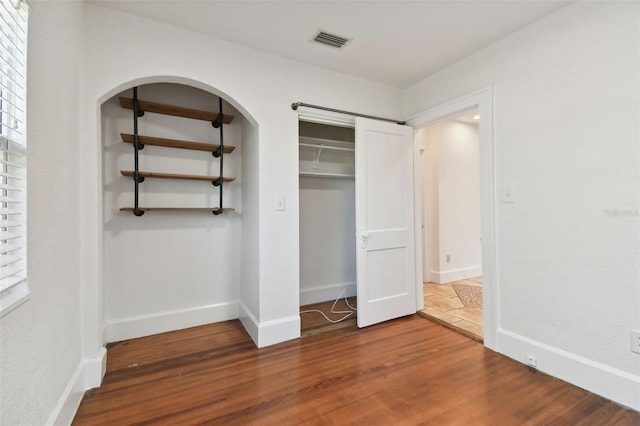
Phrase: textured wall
(566, 107)
(41, 340)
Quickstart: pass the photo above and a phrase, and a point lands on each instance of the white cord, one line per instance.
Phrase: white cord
(333, 311)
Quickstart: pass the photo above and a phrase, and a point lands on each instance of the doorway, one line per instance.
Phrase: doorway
(481, 99)
(452, 271)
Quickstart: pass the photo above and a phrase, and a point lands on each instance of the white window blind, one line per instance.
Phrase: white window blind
(13, 154)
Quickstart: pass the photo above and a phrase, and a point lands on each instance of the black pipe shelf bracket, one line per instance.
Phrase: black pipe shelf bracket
(219, 153)
(137, 146)
(216, 120)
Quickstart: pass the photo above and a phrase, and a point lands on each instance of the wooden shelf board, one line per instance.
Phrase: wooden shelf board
(175, 143)
(176, 111)
(176, 209)
(159, 175)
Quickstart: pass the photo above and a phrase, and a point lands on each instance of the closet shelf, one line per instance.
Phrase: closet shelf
(130, 173)
(177, 209)
(329, 147)
(326, 143)
(175, 143)
(175, 111)
(328, 175)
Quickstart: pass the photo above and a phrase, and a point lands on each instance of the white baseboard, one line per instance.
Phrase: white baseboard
(322, 293)
(443, 277)
(611, 383)
(88, 375)
(162, 322)
(249, 322)
(268, 333)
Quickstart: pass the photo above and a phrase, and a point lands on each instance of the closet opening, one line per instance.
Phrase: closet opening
(327, 227)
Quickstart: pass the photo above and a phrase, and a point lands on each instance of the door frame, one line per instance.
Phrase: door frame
(483, 100)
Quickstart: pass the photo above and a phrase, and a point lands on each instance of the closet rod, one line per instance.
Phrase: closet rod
(295, 105)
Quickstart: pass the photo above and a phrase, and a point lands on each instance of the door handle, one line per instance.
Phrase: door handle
(364, 238)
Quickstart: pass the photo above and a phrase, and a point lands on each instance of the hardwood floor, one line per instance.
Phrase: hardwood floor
(402, 372)
(313, 322)
(443, 306)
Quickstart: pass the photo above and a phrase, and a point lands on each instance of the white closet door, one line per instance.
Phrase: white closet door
(384, 221)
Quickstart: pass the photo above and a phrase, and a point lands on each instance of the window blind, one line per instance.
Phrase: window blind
(13, 154)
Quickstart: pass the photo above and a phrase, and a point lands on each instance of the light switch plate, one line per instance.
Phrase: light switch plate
(280, 203)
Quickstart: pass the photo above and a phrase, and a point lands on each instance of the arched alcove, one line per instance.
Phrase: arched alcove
(170, 270)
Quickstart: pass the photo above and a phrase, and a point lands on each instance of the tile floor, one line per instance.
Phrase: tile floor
(442, 305)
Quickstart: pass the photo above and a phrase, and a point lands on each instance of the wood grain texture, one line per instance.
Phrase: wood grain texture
(176, 111)
(402, 372)
(176, 209)
(176, 143)
(160, 175)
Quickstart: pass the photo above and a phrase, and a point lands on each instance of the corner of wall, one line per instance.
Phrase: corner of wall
(87, 375)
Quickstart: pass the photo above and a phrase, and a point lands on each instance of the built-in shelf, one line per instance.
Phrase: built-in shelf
(159, 175)
(175, 143)
(176, 111)
(176, 209)
(328, 175)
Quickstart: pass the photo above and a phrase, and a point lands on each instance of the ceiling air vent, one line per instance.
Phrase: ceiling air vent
(330, 39)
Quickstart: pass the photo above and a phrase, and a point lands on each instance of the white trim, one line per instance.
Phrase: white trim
(451, 275)
(269, 332)
(88, 375)
(323, 293)
(616, 385)
(483, 99)
(329, 118)
(418, 226)
(278, 330)
(146, 325)
(249, 322)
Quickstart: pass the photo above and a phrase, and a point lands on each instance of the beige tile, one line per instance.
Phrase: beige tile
(440, 289)
(473, 315)
(470, 282)
(443, 303)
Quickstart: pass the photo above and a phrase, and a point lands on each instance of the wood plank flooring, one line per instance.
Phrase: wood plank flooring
(403, 372)
(312, 322)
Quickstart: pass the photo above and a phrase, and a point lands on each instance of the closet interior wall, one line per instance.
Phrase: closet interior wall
(327, 214)
(169, 270)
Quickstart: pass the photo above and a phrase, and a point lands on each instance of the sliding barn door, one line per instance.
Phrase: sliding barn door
(384, 221)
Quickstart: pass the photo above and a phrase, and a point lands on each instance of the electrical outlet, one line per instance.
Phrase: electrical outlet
(635, 341)
(532, 361)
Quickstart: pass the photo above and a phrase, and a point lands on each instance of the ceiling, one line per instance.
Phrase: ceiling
(392, 42)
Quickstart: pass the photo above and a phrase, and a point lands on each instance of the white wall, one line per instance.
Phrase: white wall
(41, 351)
(566, 107)
(452, 196)
(327, 238)
(262, 87)
(166, 271)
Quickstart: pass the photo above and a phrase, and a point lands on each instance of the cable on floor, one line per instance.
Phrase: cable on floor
(333, 311)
